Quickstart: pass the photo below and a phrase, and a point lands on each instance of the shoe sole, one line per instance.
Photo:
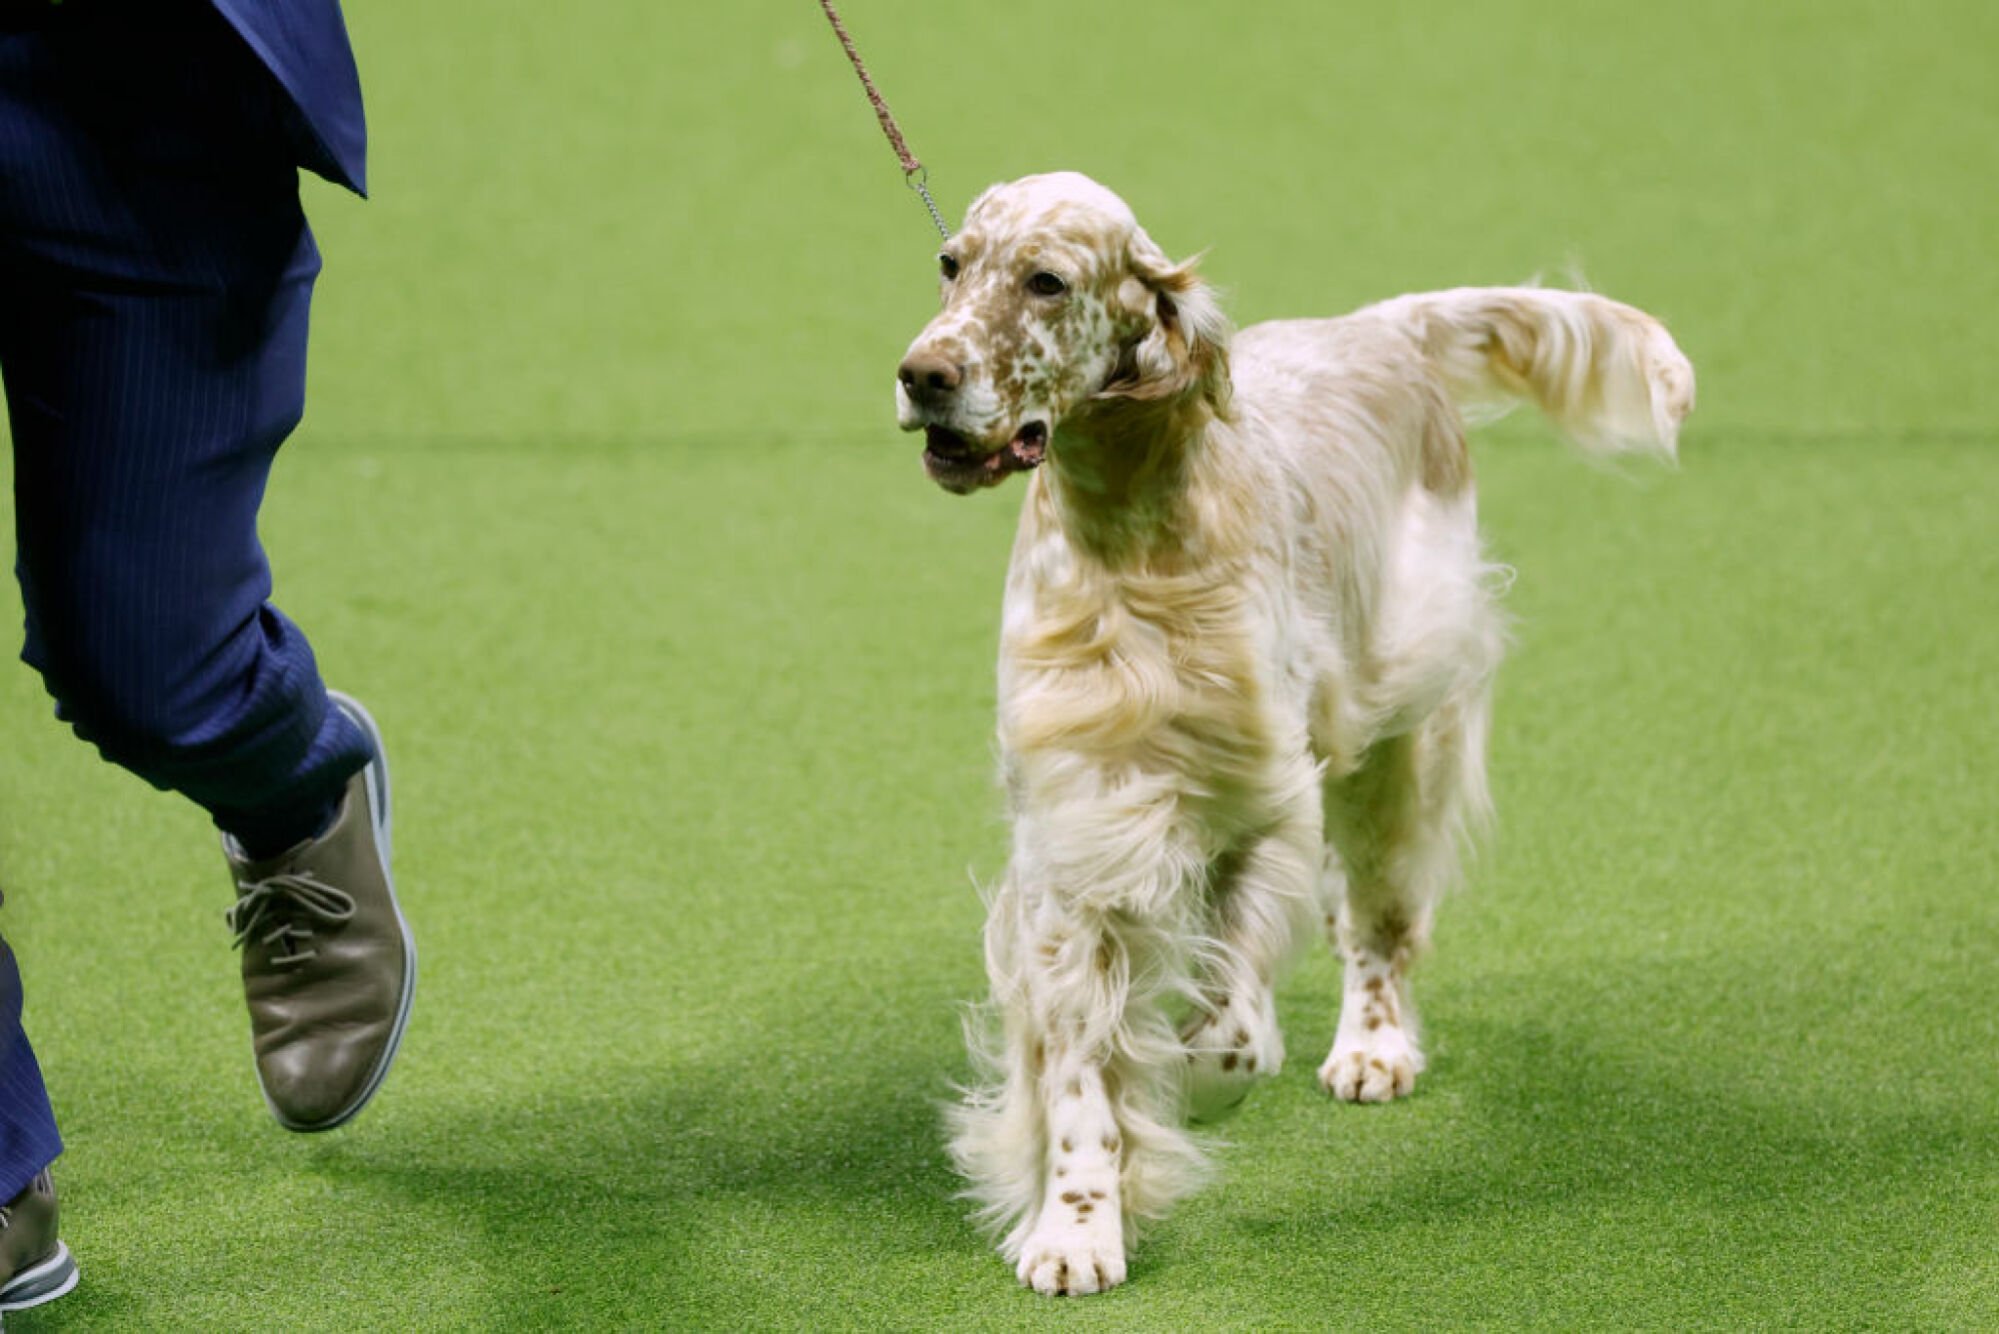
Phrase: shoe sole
(376, 779)
(44, 1283)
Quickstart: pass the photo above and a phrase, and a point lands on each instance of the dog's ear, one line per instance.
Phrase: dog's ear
(1182, 344)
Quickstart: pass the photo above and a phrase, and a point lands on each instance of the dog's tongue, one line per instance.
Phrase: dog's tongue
(1027, 449)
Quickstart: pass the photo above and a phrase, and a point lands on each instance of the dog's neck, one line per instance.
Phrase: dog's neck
(1119, 477)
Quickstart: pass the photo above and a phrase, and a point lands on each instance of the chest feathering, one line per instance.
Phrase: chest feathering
(1127, 666)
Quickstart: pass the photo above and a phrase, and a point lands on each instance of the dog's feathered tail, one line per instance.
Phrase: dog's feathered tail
(1607, 374)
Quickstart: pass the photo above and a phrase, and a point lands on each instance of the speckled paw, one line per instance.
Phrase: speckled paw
(1381, 1067)
(1072, 1263)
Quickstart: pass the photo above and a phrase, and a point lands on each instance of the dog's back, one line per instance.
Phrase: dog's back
(1361, 419)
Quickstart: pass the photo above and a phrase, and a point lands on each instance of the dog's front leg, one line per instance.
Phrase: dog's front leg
(1107, 1082)
(1071, 982)
(1040, 1141)
(1264, 899)
(1076, 1243)
(1080, 1135)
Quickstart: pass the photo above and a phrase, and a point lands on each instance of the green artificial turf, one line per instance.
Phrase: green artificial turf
(687, 676)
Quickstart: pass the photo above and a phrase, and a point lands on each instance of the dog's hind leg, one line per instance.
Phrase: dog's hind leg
(1395, 826)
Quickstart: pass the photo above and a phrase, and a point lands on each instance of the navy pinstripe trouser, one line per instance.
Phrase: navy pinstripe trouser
(155, 277)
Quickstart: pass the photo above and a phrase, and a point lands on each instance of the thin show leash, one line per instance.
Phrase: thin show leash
(914, 174)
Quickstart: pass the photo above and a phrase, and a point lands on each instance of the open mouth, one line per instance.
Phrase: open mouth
(959, 465)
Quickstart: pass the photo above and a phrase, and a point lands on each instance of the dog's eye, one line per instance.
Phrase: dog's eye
(948, 266)
(1046, 284)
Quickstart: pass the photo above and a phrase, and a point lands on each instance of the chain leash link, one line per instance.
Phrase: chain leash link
(914, 174)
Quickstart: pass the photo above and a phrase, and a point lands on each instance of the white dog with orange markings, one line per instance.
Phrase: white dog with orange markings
(1245, 672)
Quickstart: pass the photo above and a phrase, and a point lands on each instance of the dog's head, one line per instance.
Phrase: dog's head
(1056, 302)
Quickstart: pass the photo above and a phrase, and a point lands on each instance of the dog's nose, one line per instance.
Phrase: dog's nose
(928, 376)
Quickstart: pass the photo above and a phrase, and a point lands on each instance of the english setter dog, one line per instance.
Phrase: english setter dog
(1246, 663)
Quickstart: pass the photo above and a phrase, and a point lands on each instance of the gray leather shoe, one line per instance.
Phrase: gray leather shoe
(35, 1266)
(328, 962)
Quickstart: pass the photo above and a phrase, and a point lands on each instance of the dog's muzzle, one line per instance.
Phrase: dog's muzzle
(960, 466)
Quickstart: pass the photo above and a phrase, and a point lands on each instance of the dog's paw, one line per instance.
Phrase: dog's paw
(1217, 1083)
(1373, 1066)
(1374, 1056)
(1228, 1050)
(1077, 1248)
(1072, 1266)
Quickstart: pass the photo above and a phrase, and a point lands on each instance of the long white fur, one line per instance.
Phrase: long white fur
(1247, 647)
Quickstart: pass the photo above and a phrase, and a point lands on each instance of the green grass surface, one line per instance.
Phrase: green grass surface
(686, 674)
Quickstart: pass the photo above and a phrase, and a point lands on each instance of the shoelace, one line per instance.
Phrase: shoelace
(286, 903)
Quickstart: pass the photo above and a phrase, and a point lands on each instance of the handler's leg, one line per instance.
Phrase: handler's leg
(28, 1138)
(157, 273)
(35, 1265)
